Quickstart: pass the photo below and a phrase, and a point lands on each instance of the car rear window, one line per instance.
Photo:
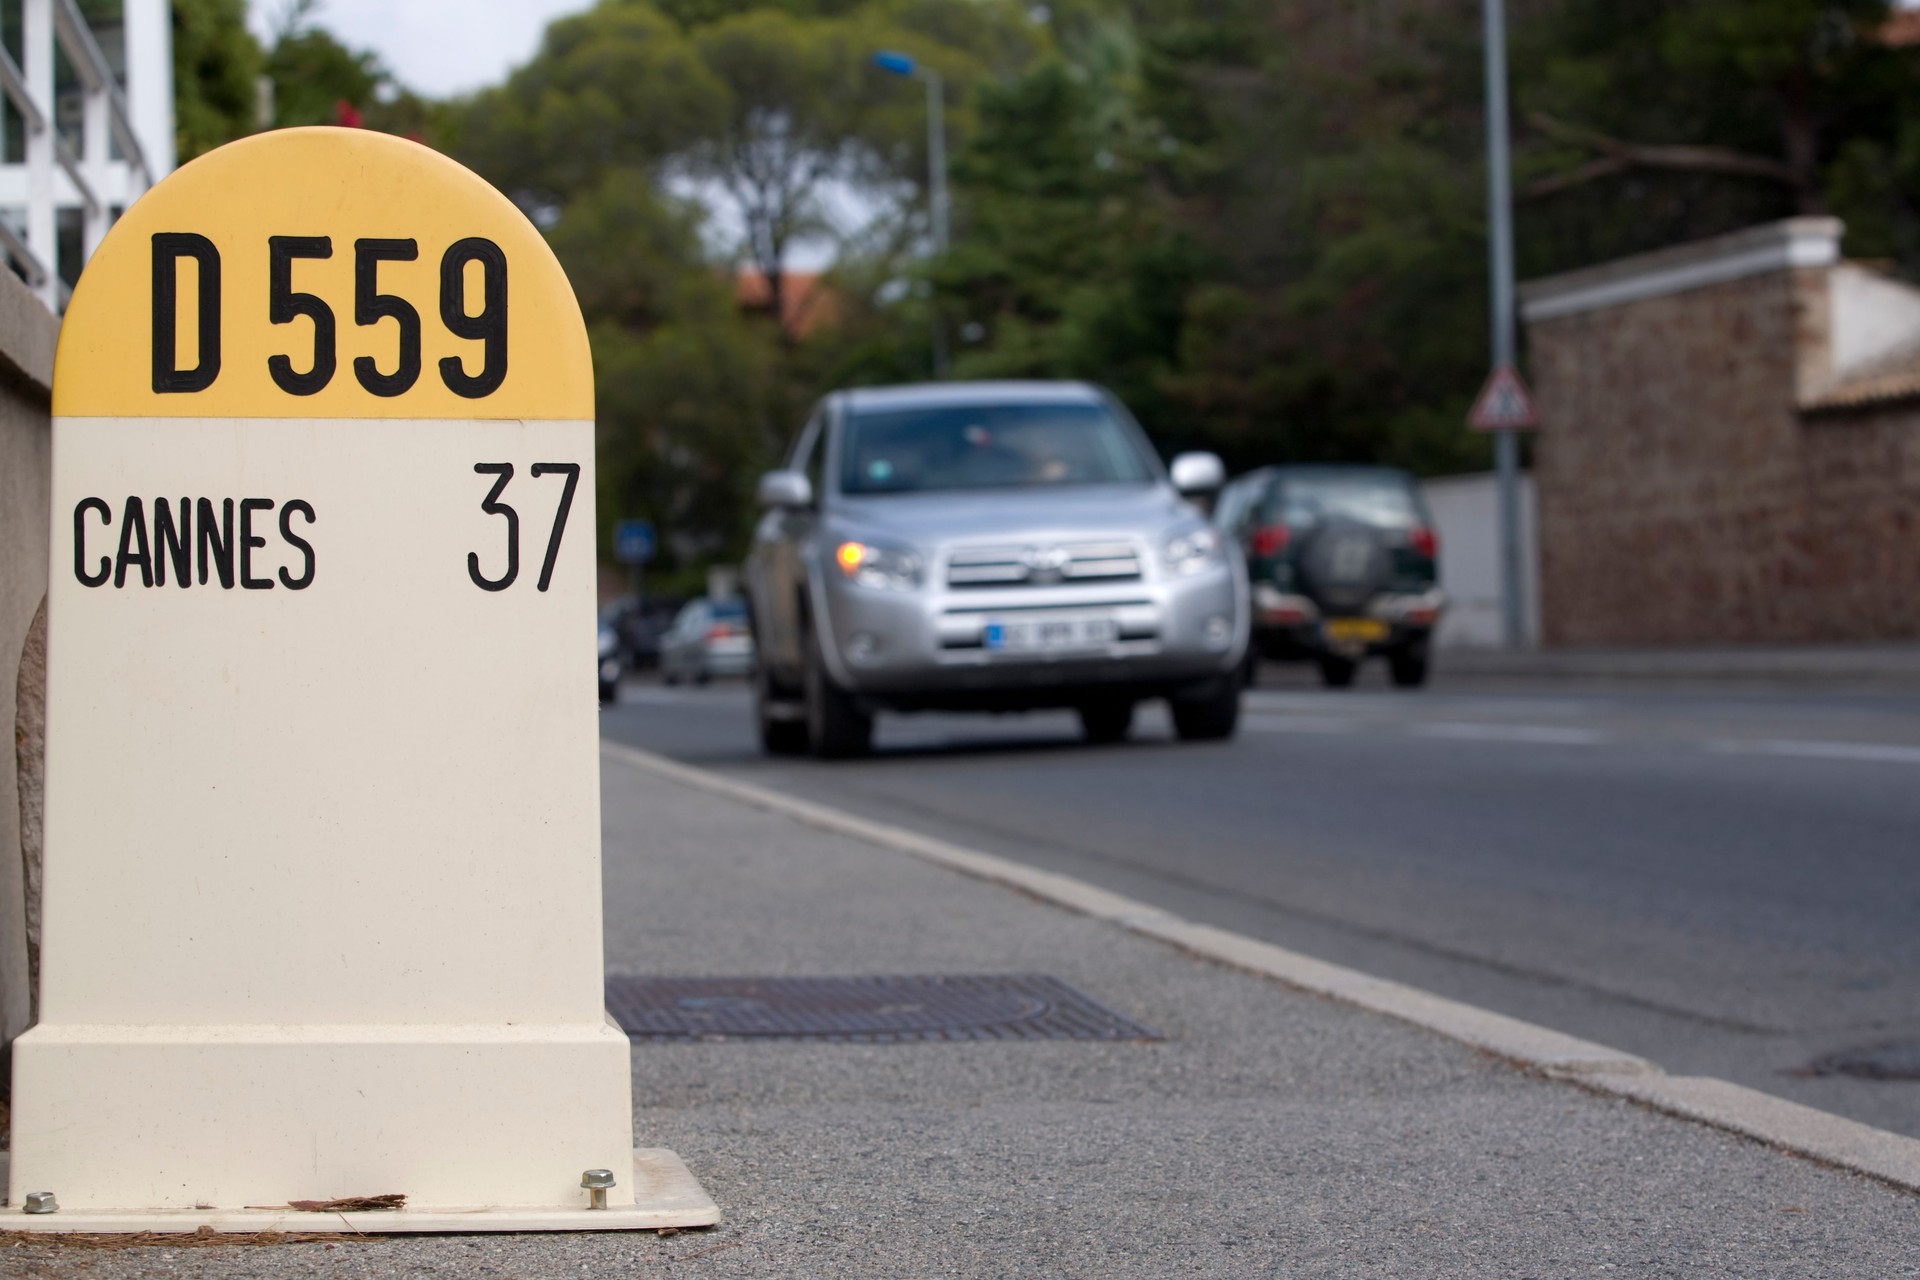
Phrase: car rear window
(1383, 499)
(988, 447)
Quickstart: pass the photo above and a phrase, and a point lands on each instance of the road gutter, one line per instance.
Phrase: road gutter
(1786, 1126)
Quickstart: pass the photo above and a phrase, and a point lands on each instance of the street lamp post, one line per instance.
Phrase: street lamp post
(1506, 441)
(901, 64)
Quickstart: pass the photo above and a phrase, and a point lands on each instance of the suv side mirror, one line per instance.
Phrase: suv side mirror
(785, 489)
(1198, 473)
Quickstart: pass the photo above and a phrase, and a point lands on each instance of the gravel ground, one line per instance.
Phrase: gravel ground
(1270, 1134)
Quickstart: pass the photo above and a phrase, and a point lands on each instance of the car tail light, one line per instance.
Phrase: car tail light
(1270, 539)
(721, 631)
(1422, 539)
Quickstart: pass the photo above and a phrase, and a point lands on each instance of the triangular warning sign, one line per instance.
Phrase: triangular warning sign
(1504, 404)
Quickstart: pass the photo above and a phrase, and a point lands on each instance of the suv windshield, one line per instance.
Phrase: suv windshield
(999, 446)
(1384, 499)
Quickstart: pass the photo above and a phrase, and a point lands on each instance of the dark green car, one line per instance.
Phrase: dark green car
(1343, 563)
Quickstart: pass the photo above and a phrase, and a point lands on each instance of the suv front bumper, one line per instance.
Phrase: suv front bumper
(930, 646)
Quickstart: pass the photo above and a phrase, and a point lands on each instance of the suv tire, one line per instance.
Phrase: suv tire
(1337, 672)
(779, 736)
(1213, 714)
(1107, 720)
(1408, 666)
(837, 728)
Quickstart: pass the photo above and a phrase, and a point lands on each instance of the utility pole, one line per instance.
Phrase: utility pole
(900, 64)
(937, 159)
(1506, 440)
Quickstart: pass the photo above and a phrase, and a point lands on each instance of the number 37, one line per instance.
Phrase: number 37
(492, 505)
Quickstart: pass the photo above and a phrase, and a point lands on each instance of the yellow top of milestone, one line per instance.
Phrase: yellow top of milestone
(361, 228)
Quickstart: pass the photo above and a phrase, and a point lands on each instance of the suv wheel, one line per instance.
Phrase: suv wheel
(836, 726)
(1337, 672)
(1107, 720)
(1408, 666)
(1213, 713)
(780, 735)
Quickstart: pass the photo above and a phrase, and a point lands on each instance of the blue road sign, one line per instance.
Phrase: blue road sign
(633, 541)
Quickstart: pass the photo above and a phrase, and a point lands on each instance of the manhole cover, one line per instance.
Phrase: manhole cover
(875, 1010)
(1898, 1060)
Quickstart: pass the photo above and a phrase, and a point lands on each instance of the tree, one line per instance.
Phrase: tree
(216, 68)
(618, 86)
(1246, 219)
(626, 120)
(1653, 121)
(804, 108)
(318, 80)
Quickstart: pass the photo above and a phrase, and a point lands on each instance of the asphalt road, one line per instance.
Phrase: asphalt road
(1728, 884)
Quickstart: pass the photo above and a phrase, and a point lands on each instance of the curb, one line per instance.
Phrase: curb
(1787, 1126)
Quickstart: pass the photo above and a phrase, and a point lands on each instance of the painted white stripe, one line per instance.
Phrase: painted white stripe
(1298, 724)
(653, 695)
(1537, 734)
(1809, 749)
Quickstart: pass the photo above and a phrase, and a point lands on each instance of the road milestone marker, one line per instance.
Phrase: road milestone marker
(322, 882)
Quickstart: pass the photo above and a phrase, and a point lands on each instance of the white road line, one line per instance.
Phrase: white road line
(1395, 703)
(656, 696)
(1810, 749)
(1536, 734)
(1270, 723)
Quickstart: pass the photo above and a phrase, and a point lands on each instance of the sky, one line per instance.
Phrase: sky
(434, 47)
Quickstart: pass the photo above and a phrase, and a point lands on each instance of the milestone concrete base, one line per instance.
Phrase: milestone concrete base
(664, 1193)
(144, 1126)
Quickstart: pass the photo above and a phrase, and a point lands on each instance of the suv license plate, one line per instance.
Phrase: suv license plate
(1050, 633)
(1355, 630)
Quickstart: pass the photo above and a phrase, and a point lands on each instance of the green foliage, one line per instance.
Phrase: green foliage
(216, 62)
(615, 87)
(1804, 84)
(313, 72)
(1261, 222)
(767, 104)
(217, 65)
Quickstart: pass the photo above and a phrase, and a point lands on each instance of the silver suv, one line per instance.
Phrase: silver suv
(988, 546)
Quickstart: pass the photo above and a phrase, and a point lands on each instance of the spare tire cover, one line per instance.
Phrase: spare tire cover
(1344, 564)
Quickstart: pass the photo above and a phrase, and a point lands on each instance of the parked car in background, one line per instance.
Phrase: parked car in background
(992, 546)
(1343, 565)
(611, 662)
(640, 626)
(708, 638)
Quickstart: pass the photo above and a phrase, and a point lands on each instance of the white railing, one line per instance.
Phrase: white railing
(125, 134)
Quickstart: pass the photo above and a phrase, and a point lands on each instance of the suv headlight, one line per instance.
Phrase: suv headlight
(883, 568)
(1193, 549)
(609, 642)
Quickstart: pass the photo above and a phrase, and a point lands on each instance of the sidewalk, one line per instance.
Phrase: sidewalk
(1890, 666)
(1273, 1133)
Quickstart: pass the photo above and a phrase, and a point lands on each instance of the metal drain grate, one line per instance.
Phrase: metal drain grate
(1899, 1060)
(875, 1010)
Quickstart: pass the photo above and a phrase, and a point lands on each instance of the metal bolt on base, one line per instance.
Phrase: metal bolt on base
(40, 1202)
(596, 1181)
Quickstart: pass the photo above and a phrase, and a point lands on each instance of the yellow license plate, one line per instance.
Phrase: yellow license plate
(1356, 630)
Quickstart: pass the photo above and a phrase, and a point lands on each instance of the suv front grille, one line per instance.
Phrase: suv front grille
(1042, 565)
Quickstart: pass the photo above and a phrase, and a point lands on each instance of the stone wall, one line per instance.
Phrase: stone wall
(26, 372)
(1689, 490)
(1860, 560)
